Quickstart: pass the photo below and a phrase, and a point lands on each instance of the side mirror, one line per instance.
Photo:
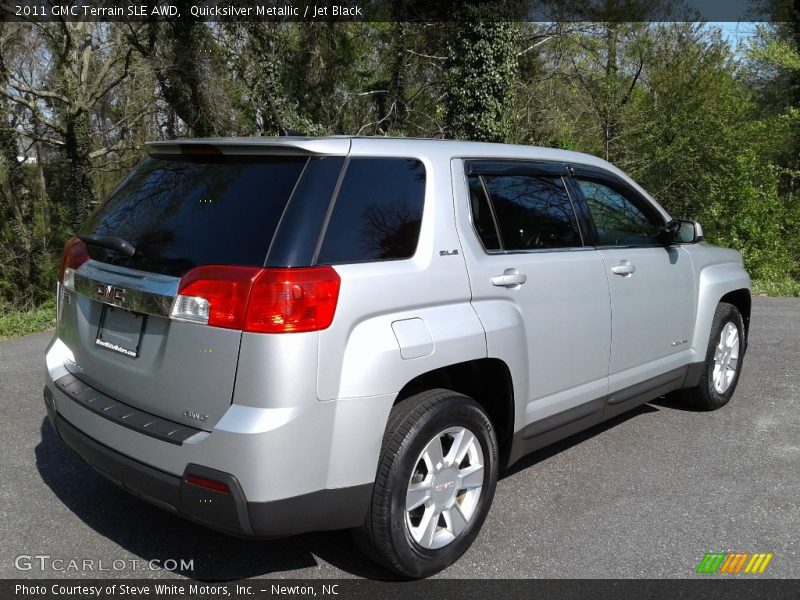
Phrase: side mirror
(683, 231)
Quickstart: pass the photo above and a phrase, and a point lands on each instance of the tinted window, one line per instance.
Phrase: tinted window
(180, 212)
(482, 215)
(532, 212)
(618, 220)
(377, 212)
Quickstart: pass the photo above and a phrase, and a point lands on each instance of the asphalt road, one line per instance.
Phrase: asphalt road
(645, 495)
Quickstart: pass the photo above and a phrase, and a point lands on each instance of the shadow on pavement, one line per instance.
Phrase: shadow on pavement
(152, 533)
(674, 402)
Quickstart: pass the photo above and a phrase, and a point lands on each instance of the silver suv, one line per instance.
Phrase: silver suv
(276, 335)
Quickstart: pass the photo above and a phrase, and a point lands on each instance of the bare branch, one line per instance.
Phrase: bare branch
(111, 149)
(45, 140)
(30, 105)
(432, 57)
(94, 95)
(536, 45)
(26, 89)
(633, 83)
(389, 113)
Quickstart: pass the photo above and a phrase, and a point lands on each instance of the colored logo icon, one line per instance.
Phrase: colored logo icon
(734, 562)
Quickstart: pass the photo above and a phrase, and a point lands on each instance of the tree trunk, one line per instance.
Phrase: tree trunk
(16, 212)
(397, 79)
(610, 121)
(77, 194)
(480, 67)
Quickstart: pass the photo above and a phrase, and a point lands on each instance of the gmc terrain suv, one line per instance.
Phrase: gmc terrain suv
(276, 335)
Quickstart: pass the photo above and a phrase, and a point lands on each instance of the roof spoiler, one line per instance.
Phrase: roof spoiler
(250, 146)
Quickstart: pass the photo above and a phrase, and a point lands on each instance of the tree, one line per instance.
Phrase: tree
(712, 136)
(18, 269)
(253, 50)
(480, 68)
(56, 73)
(187, 63)
(773, 72)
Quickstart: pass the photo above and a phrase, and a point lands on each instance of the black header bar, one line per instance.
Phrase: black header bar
(413, 11)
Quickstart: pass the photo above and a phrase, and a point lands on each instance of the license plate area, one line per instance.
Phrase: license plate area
(120, 331)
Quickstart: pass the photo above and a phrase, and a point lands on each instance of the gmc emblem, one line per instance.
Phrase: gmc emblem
(109, 292)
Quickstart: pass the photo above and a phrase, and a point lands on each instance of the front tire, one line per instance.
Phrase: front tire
(434, 486)
(723, 363)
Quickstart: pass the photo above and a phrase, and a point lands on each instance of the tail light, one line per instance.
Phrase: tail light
(215, 295)
(284, 300)
(258, 300)
(75, 254)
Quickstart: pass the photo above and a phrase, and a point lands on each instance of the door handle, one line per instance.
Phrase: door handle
(624, 268)
(509, 279)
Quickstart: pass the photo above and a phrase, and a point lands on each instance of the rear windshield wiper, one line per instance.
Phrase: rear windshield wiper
(109, 242)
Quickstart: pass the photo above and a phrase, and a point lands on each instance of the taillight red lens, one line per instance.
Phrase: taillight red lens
(75, 254)
(226, 289)
(259, 300)
(287, 300)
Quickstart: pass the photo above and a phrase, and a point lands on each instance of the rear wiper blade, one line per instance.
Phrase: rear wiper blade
(109, 242)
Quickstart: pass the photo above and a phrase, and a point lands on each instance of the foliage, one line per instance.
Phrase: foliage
(21, 322)
(480, 65)
(752, 218)
(713, 134)
(671, 105)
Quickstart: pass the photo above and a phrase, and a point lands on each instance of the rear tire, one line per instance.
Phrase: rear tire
(435, 482)
(724, 359)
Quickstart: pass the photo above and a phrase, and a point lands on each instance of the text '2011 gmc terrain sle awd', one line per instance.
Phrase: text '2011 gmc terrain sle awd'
(277, 335)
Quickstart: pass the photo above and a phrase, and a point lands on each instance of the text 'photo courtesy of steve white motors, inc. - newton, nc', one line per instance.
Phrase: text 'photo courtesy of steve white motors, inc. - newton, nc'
(131, 10)
(141, 589)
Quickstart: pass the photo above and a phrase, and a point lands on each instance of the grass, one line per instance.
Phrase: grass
(786, 286)
(14, 323)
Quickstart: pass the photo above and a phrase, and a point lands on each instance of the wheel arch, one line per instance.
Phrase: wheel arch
(743, 301)
(488, 381)
(726, 282)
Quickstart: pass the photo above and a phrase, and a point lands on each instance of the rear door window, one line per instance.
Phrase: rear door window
(377, 213)
(482, 215)
(532, 213)
(180, 212)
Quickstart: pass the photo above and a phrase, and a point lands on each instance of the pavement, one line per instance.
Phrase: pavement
(644, 495)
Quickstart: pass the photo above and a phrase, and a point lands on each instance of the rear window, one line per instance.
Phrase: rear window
(182, 212)
(377, 213)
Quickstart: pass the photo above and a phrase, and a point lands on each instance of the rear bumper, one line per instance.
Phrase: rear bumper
(229, 512)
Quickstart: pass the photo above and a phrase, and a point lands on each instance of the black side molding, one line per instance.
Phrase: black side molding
(651, 388)
(563, 418)
(547, 431)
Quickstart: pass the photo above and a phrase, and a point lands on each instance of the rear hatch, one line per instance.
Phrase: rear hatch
(176, 212)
